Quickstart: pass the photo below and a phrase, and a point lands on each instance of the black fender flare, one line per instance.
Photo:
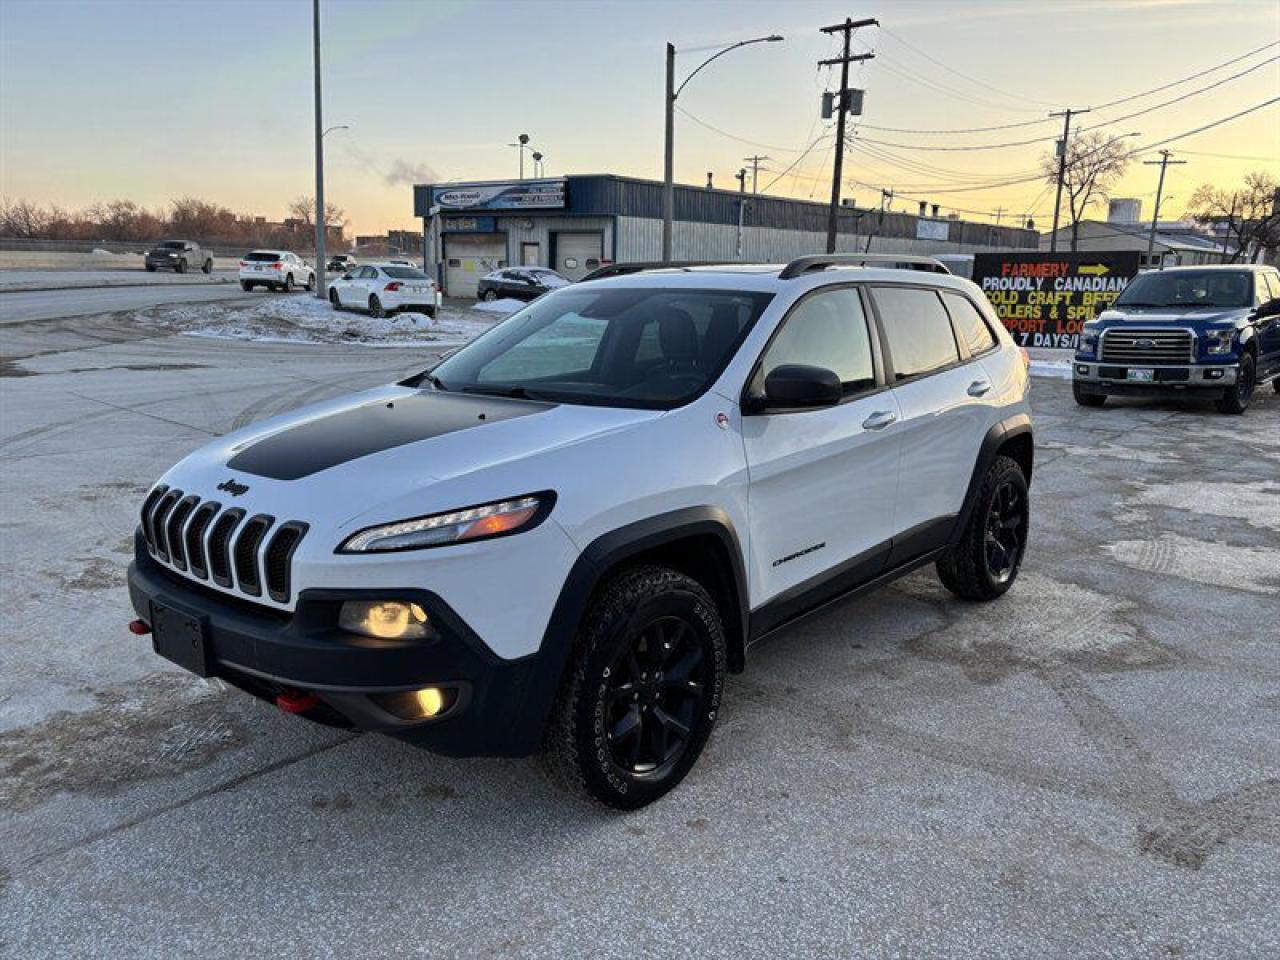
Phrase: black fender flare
(1019, 424)
(606, 553)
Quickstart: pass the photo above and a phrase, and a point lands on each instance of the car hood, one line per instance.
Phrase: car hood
(332, 461)
(1161, 316)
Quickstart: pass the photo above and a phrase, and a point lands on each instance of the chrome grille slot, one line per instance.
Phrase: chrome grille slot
(1150, 347)
(219, 544)
(158, 517)
(246, 553)
(278, 556)
(194, 539)
(174, 530)
(148, 506)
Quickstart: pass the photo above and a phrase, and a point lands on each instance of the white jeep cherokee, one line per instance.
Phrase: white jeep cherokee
(566, 533)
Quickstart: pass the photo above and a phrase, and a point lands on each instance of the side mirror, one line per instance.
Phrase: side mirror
(800, 385)
(346, 276)
(1269, 309)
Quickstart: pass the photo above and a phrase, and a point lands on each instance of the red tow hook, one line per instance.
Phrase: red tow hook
(296, 701)
(139, 628)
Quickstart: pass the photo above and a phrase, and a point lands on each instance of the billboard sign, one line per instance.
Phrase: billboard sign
(932, 229)
(1045, 298)
(506, 195)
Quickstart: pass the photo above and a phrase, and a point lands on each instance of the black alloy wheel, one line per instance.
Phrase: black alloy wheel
(653, 691)
(1006, 532)
(1236, 399)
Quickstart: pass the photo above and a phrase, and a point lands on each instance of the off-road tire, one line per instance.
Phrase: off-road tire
(207, 268)
(576, 746)
(1086, 399)
(1236, 398)
(965, 569)
(246, 286)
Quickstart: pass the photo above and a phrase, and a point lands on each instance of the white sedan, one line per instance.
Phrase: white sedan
(384, 288)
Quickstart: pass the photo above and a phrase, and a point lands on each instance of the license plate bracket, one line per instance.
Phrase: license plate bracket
(1140, 374)
(180, 638)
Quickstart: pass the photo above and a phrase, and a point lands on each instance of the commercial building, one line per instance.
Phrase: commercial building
(1176, 244)
(575, 224)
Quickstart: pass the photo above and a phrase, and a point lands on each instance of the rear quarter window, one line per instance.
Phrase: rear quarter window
(969, 322)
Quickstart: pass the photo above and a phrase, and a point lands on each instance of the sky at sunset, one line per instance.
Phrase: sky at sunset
(148, 101)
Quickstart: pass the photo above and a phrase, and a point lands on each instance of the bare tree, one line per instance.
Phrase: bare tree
(22, 218)
(303, 208)
(1250, 213)
(1095, 162)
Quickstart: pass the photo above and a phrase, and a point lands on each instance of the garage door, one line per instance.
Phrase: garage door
(577, 254)
(468, 258)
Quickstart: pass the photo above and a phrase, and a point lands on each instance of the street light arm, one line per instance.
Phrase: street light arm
(772, 38)
(341, 126)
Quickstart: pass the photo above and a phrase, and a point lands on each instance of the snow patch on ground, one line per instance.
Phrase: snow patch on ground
(1201, 561)
(499, 306)
(1055, 369)
(1258, 504)
(304, 319)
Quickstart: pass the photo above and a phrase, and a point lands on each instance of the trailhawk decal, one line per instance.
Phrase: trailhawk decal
(371, 428)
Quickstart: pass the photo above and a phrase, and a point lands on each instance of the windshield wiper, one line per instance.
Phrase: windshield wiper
(435, 381)
(514, 393)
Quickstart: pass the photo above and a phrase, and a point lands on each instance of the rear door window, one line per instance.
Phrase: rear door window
(918, 330)
(971, 325)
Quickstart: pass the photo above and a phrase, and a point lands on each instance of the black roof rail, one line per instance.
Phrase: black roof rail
(892, 261)
(625, 269)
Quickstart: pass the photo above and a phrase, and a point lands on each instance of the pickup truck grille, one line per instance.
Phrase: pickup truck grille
(203, 541)
(1148, 347)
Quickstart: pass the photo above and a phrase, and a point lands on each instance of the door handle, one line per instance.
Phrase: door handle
(879, 420)
(979, 388)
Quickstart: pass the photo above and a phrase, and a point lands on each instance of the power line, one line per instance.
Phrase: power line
(1194, 76)
(817, 140)
(1207, 126)
(725, 133)
(1228, 156)
(1001, 126)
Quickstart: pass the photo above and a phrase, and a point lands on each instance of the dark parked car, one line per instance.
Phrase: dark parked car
(180, 256)
(518, 283)
(340, 263)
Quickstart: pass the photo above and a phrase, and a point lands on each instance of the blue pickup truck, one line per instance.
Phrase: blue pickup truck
(1210, 332)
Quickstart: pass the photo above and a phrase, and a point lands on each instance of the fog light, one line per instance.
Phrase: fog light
(418, 704)
(385, 619)
(1214, 375)
(1081, 369)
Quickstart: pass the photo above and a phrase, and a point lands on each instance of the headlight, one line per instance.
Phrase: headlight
(440, 529)
(1220, 341)
(1088, 339)
(385, 619)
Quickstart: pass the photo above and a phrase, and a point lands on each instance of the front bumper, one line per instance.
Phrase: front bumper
(496, 710)
(1110, 378)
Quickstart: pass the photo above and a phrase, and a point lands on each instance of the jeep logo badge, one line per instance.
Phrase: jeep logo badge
(230, 486)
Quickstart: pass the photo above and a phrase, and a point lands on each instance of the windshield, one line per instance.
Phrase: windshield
(405, 273)
(654, 348)
(264, 255)
(172, 245)
(1189, 288)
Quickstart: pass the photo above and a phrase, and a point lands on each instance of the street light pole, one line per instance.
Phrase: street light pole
(320, 217)
(668, 156)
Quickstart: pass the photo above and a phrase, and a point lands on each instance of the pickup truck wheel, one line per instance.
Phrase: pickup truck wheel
(246, 286)
(984, 564)
(375, 307)
(643, 689)
(181, 266)
(1086, 399)
(1236, 399)
(151, 268)
(207, 268)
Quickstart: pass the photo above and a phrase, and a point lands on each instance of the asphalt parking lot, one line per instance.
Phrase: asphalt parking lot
(1088, 767)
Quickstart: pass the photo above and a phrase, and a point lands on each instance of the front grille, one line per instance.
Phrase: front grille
(200, 539)
(1148, 347)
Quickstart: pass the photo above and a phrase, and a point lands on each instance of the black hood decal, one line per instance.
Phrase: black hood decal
(308, 448)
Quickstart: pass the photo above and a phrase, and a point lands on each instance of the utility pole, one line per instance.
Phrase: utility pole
(669, 155)
(755, 169)
(1062, 170)
(842, 97)
(321, 220)
(1231, 219)
(741, 177)
(999, 214)
(1163, 163)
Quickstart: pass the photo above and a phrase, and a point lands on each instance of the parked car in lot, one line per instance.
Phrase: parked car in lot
(1210, 332)
(384, 288)
(518, 283)
(565, 534)
(340, 263)
(276, 270)
(179, 256)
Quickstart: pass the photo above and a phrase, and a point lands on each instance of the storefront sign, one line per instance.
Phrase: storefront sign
(1045, 298)
(469, 224)
(508, 195)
